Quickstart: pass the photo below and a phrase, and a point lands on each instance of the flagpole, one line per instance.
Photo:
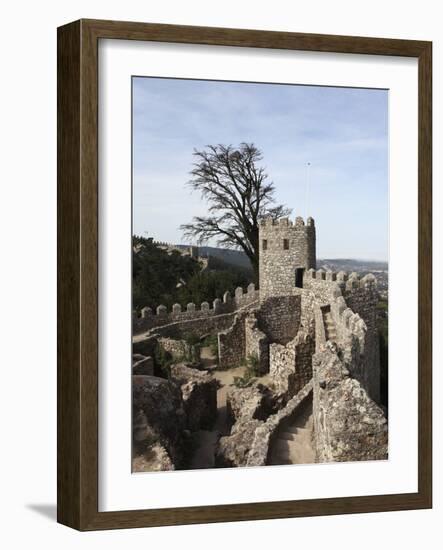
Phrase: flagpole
(308, 173)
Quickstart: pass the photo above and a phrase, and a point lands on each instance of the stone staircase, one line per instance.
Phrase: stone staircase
(293, 441)
(330, 330)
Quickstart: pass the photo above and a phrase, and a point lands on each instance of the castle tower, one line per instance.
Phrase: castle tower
(286, 250)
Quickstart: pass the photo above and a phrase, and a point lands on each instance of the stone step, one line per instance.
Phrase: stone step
(293, 443)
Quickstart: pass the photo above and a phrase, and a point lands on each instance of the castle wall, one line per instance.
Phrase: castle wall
(265, 433)
(322, 289)
(320, 332)
(352, 304)
(363, 301)
(277, 265)
(180, 349)
(150, 319)
(348, 424)
(307, 314)
(290, 366)
(279, 317)
(232, 344)
(256, 343)
(183, 329)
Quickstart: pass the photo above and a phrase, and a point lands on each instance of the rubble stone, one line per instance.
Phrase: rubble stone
(199, 392)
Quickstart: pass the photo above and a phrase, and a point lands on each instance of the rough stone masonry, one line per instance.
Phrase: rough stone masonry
(306, 328)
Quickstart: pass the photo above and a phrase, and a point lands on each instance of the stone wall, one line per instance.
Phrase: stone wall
(150, 319)
(279, 317)
(307, 318)
(277, 264)
(352, 304)
(256, 401)
(363, 301)
(321, 283)
(183, 329)
(247, 408)
(256, 343)
(199, 393)
(320, 333)
(180, 350)
(232, 343)
(351, 337)
(290, 366)
(353, 309)
(348, 424)
(264, 433)
(158, 417)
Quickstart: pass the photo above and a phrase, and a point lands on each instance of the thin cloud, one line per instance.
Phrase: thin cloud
(342, 132)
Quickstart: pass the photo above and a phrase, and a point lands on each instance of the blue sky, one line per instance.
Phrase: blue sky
(342, 132)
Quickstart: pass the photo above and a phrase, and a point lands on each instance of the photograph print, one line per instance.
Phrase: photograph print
(259, 274)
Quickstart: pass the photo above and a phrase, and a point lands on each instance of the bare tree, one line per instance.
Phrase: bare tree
(238, 192)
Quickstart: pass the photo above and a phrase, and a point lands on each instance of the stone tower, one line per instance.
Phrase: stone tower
(286, 250)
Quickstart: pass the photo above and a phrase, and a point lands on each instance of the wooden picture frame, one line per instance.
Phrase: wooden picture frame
(78, 274)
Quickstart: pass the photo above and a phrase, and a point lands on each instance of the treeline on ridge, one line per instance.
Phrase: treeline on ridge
(162, 277)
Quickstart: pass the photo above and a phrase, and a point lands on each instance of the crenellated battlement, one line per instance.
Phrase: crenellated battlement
(285, 223)
(342, 278)
(150, 318)
(345, 314)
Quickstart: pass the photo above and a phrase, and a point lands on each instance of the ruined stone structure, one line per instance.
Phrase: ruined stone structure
(313, 337)
(191, 251)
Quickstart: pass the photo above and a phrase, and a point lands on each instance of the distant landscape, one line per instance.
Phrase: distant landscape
(237, 257)
(213, 271)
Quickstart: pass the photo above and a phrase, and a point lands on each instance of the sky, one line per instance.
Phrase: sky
(341, 132)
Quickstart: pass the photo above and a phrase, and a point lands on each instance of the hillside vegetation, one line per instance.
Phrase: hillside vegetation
(161, 277)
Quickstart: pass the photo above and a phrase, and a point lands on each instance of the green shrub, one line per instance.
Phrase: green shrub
(253, 364)
(164, 360)
(252, 370)
(211, 341)
(243, 381)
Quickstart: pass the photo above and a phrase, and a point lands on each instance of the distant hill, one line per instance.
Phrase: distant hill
(228, 256)
(348, 264)
(234, 257)
(239, 259)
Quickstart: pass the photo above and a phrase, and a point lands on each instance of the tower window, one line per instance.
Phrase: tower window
(264, 244)
(299, 277)
(285, 244)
